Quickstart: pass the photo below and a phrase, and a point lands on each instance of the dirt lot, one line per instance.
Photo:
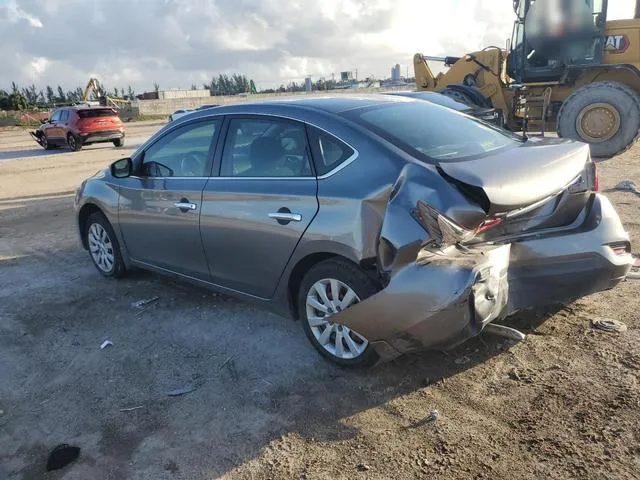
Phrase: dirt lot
(565, 403)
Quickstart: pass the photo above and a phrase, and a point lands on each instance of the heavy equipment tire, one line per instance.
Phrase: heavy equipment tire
(350, 281)
(606, 115)
(74, 142)
(458, 96)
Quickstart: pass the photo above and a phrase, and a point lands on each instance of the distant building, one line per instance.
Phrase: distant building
(307, 84)
(346, 76)
(395, 73)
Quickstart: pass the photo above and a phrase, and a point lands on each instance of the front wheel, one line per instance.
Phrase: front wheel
(103, 246)
(328, 288)
(44, 141)
(119, 142)
(606, 115)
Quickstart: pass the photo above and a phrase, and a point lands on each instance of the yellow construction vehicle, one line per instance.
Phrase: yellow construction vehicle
(95, 94)
(583, 84)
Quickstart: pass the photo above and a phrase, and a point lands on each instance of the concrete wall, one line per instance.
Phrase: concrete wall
(168, 106)
(175, 94)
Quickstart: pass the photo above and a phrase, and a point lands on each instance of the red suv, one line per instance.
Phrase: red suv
(80, 125)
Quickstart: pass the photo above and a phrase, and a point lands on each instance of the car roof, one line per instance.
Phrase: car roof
(335, 104)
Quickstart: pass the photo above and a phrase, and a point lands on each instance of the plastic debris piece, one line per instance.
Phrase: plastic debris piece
(182, 390)
(61, 456)
(106, 344)
(608, 325)
(363, 467)
(144, 302)
(130, 409)
(433, 416)
(627, 185)
(505, 332)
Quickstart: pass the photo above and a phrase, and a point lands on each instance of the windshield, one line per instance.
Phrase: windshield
(431, 132)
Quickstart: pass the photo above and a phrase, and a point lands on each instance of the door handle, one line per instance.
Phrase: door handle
(286, 217)
(185, 206)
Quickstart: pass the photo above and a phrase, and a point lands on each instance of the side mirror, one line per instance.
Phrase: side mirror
(122, 168)
(46, 120)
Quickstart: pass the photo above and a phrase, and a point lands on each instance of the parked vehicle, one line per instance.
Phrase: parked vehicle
(80, 125)
(386, 225)
(487, 114)
(179, 113)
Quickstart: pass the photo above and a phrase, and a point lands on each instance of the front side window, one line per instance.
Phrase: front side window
(433, 133)
(328, 152)
(56, 116)
(267, 147)
(184, 152)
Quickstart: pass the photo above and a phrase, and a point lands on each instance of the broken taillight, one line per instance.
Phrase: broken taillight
(444, 231)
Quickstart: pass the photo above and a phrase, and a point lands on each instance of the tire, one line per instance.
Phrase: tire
(119, 142)
(621, 100)
(45, 143)
(458, 96)
(95, 225)
(347, 276)
(74, 142)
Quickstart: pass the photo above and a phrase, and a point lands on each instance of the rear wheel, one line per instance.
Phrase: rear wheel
(328, 288)
(103, 246)
(74, 142)
(606, 115)
(119, 142)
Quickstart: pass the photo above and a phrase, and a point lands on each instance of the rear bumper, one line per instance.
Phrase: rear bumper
(564, 267)
(97, 137)
(450, 299)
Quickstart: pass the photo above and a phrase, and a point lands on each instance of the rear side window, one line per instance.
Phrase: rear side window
(96, 112)
(328, 151)
(433, 133)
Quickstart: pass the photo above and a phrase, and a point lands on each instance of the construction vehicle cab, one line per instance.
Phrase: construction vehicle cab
(566, 69)
(545, 43)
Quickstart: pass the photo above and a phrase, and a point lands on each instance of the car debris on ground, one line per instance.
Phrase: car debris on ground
(182, 390)
(105, 344)
(608, 325)
(143, 303)
(628, 185)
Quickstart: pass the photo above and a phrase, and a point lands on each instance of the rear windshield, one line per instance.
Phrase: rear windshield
(96, 112)
(431, 132)
(439, 99)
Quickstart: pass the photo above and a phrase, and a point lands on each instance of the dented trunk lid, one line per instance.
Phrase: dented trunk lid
(518, 177)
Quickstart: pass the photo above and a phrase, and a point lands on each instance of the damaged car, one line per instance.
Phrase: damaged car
(386, 225)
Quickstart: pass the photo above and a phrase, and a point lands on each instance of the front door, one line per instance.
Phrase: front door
(159, 209)
(257, 210)
(52, 129)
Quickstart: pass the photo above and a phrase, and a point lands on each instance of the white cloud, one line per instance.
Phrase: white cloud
(15, 14)
(182, 42)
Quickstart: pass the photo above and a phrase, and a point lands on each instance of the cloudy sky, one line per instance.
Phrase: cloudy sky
(181, 42)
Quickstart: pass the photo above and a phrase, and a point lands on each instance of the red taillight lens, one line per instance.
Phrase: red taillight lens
(488, 224)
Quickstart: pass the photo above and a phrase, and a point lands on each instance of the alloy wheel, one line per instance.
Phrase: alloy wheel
(101, 247)
(325, 298)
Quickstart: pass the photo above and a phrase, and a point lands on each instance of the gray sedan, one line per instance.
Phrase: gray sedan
(386, 225)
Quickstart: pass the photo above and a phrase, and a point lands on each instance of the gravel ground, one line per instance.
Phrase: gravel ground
(564, 403)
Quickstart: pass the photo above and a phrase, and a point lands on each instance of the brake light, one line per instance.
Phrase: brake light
(444, 231)
(488, 224)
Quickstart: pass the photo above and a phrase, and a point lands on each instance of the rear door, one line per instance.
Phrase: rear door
(256, 211)
(159, 208)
